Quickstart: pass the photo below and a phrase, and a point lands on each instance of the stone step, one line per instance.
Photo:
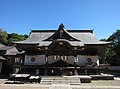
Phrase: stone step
(47, 83)
(60, 80)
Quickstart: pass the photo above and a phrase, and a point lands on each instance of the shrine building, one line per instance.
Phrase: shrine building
(58, 52)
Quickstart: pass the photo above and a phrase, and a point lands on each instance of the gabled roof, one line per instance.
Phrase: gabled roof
(61, 33)
(74, 37)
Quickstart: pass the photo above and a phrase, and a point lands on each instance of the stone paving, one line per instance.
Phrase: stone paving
(60, 87)
(96, 84)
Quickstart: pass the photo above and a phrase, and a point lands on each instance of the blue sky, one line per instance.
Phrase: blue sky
(21, 16)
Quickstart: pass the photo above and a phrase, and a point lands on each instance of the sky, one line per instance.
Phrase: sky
(22, 16)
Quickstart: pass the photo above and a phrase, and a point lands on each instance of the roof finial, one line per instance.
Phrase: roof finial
(61, 26)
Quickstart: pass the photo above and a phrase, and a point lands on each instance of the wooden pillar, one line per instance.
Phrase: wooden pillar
(0, 67)
(46, 65)
(23, 60)
(75, 65)
(85, 71)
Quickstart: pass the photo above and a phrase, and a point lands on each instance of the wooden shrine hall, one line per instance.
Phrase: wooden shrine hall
(58, 52)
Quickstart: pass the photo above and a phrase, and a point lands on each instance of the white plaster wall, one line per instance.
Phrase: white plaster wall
(39, 60)
(82, 59)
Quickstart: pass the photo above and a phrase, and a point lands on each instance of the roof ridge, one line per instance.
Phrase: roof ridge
(91, 31)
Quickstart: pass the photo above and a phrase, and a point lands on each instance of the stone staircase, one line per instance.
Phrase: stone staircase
(60, 80)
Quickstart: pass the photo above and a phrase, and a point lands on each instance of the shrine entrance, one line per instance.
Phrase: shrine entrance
(60, 59)
(60, 68)
(60, 71)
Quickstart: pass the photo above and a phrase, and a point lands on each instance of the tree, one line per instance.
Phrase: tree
(7, 39)
(111, 54)
(3, 36)
(104, 39)
(106, 53)
(15, 37)
(115, 39)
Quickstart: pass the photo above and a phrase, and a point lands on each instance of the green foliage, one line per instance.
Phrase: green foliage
(114, 36)
(104, 39)
(7, 39)
(106, 54)
(112, 54)
(3, 37)
(15, 37)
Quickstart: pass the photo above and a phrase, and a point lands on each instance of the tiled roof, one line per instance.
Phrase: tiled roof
(81, 37)
(2, 58)
(38, 37)
(88, 38)
(6, 47)
(1, 45)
